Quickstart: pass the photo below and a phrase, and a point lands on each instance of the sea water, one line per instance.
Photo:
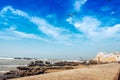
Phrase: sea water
(7, 64)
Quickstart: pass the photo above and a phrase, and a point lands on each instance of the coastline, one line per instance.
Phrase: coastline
(13, 68)
(95, 72)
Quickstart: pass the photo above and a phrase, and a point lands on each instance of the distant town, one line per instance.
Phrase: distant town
(107, 57)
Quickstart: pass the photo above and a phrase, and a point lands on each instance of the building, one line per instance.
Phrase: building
(107, 57)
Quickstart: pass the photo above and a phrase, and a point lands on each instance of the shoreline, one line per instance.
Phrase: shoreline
(95, 72)
(38, 67)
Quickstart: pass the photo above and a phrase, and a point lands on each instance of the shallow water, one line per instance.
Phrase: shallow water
(11, 64)
(7, 64)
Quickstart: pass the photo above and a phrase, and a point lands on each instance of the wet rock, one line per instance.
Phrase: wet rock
(24, 68)
(27, 58)
(92, 62)
(37, 63)
(24, 71)
(65, 63)
(32, 70)
(17, 58)
(31, 64)
(38, 67)
(47, 63)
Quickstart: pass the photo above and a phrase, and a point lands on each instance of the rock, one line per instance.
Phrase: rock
(47, 63)
(27, 58)
(65, 63)
(17, 58)
(24, 68)
(38, 67)
(24, 71)
(38, 63)
(31, 63)
(12, 74)
(92, 62)
(32, 70)
(39, 70)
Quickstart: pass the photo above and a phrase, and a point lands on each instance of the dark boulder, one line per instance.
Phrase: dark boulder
(92, 62)
(37, 63)
(24, 71)
(47, 63)
(24, 68)
(65, 63)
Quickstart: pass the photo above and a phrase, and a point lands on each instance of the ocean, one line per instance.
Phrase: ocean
(7, 64)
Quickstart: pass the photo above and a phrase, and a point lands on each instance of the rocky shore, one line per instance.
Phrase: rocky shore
(94, 72)
(37, 67)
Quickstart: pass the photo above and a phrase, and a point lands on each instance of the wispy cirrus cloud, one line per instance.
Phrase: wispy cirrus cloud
(88, 27)
(78, 4)
(48, 29)
(92, 29)
(70, 20)
(51, 31)
(14, 11)
(12, 33)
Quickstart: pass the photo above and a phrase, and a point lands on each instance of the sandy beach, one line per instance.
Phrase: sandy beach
(96, 72)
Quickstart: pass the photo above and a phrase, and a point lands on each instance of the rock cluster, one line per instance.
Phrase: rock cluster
(39, 63)
(25, 71)
(65, 63)
(38, 67)
(92, 62)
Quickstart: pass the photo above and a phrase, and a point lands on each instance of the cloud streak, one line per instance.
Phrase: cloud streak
(12, 33)
(92, 29)
(78, 4)
(46, 28)
(51, 31)
(15, 12)
(89, 28)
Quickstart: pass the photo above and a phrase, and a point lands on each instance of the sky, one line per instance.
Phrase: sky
(59, 29)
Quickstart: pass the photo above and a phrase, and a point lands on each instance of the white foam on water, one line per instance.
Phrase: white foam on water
(6, 58)
(3, 71)
(11, 65)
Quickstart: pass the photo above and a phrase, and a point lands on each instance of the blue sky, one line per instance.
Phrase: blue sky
(63, 29)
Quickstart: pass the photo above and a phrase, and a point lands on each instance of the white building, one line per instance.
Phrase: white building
(108, 57)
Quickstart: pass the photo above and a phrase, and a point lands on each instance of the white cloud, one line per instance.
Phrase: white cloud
(43, 26)
(12, 33)
(25, 35)
(69, 20)
(112, 31)
(14, 11)
(50, 30)
(90, 27)
(87, 24)
(78, 4)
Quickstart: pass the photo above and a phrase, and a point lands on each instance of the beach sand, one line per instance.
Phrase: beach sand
(96, 72)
